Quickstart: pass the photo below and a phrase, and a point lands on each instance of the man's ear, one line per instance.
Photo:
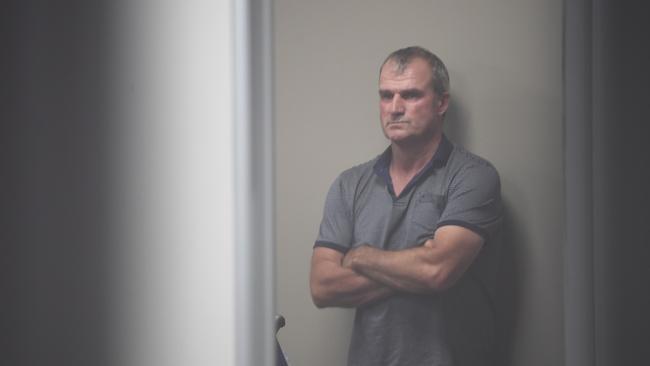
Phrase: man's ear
(443, 104)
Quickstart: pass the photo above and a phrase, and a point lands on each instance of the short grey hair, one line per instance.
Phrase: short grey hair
(404, 56)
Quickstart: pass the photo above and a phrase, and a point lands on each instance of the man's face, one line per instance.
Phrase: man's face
(410, 110)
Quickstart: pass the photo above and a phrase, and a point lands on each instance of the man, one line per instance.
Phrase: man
(409, 238)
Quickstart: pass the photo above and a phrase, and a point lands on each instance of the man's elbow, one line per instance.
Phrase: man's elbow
(319, 296)
(324, 296)
(319, 301)
(439, 280)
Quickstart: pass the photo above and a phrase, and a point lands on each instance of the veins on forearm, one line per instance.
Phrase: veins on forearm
(405, 270)
(334, 285)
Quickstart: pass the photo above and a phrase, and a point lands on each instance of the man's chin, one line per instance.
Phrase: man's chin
(398, 138)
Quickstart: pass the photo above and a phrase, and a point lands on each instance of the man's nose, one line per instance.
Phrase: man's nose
(397, 107)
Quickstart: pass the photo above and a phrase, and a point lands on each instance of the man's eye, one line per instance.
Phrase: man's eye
(386, 96)
(410, 95)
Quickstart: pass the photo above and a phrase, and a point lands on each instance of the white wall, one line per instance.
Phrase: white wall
(505, 61)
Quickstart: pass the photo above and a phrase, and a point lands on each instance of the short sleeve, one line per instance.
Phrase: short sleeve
(474, 200)
(337, 225)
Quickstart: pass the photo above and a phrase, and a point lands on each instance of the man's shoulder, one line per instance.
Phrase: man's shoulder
(358, 172)
(468, 168)
(461, 159)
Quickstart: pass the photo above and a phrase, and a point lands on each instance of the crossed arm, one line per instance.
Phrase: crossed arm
(366, 274)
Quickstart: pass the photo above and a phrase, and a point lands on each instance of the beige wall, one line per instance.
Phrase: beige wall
(505, 61)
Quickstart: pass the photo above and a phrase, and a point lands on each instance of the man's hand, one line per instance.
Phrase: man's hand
(356, 254)
(332, 284)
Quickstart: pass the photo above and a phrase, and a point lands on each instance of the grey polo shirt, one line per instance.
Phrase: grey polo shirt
(454, 327)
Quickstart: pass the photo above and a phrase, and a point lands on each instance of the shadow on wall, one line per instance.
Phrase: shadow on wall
(510, 273)
(510, 282)
(456, 122)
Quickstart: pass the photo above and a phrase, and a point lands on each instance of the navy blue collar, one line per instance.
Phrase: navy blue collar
(439, 159)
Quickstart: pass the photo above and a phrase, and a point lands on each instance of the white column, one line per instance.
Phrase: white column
(176, 283)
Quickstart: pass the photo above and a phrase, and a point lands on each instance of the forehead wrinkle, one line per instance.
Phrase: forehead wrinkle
(402, 82)
(400, 72)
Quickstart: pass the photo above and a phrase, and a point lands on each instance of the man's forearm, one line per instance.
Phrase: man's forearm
(403, 270)
(434, 266)
(345, 288)
(335, 286)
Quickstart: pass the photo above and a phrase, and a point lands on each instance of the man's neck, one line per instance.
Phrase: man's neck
(408, 159)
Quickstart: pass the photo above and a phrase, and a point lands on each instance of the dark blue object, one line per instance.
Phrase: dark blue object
(280, 359)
